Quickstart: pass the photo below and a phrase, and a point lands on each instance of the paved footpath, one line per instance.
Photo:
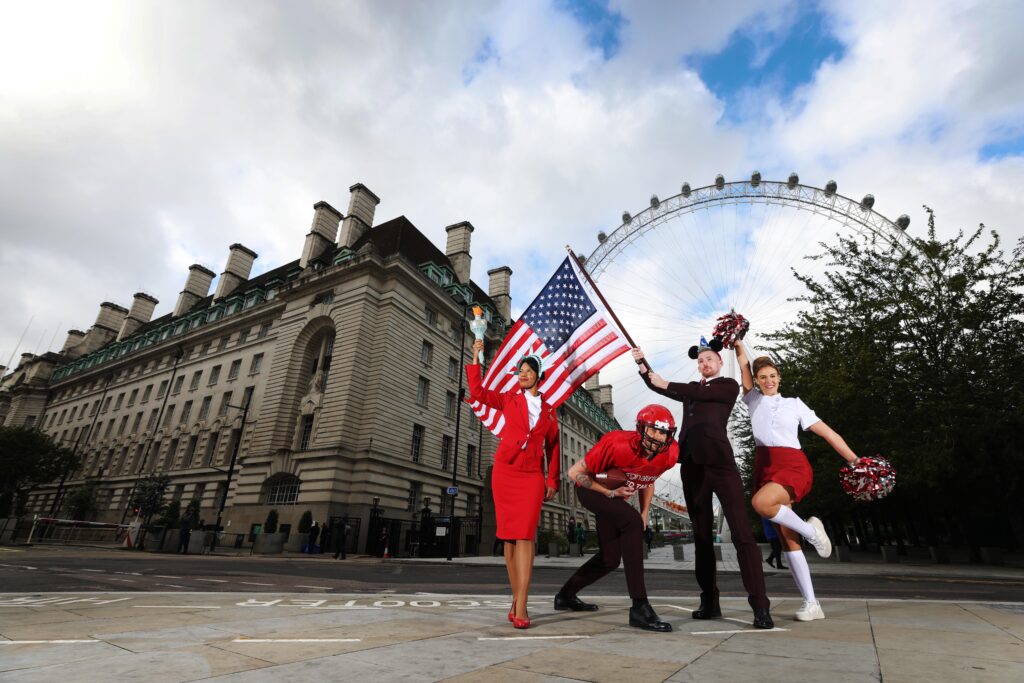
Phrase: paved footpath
(178, 636)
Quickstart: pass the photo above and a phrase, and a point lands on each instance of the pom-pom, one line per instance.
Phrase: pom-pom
(870, 479)
(730, 327)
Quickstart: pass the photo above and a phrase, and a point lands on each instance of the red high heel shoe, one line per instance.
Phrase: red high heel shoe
(512, 612)
(521, 623)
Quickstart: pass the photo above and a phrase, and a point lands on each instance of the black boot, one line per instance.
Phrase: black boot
(762, 619)
(563, 602)
(642, 615)
(708, 609)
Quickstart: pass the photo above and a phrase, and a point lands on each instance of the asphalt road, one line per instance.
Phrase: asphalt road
(69, 569)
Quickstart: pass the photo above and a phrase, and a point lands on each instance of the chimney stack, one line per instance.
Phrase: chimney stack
(457, 249)
(361, 205)
(602, 395)
(140, 314)
(498, 288)
(323, 234)
(108, 324)
(75, 338)
(236, 271)
(197, 286)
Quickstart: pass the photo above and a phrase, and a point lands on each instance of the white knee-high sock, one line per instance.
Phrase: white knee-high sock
(789, 519)
(801, 574)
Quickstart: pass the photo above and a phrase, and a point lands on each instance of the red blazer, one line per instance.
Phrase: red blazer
(520, 447)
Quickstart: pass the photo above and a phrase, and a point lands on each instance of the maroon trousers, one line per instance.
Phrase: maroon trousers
(620, 535)
(699, 482)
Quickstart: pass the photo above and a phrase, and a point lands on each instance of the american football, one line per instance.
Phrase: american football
(612, 479)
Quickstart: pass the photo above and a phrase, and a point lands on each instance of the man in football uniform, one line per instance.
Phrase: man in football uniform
(642, 456)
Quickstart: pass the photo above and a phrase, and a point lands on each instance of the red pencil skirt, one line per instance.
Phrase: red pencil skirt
(785, 466)
(518, 497)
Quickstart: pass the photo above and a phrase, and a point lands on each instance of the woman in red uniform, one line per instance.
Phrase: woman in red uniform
(643, 456)
(518, 484)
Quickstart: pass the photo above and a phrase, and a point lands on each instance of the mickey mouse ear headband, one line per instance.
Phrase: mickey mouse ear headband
(534, 361)
(714, 345)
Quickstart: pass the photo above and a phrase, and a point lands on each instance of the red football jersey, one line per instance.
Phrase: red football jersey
(622, 449)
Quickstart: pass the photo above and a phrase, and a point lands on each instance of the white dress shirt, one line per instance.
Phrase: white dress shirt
(533, 407)
(775, 420)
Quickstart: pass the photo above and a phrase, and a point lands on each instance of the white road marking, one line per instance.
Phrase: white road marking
(329, 607)
(161, 576)
(535, 638)
(296, 640)
(320, 587)
(254, 583)
(114, 578)
(176, 606)
(213, 580)
(96, 571)
(739, 630)
(170, 585)
(687, 609)
(46, 642)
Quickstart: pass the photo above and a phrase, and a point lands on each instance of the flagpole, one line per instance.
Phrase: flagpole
(604, 301)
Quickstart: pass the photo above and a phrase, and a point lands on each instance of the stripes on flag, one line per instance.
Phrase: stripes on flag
(569, 328)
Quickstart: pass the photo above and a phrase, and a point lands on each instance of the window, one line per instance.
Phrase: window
(470, 458)
(106, 404)
(430, 316)
(214, 376)
(153, 414)
(449, 404)
(281, 489)
(163, 389)
(205, 349)
(222, 344)
(131, 399)
(137, 422)
(257, 362)
(225, 402)
(211, 448)
(186, 410)
(190, 451)
(177, 384)
(120, 427)
(120, 400)
(95, 408)
(236, 367)
(221, 497)
(423, 391)
(199, 492)
(146, 393)
(320, 367)
(415, 493)
(417, 442)
(427, 353)
(453, 333)
(194, 384)
(110, 428)
(307, 432)
(453, 369)
(63, 414)
(204, 408)
(247, 396)
(323, 298)
(446, 451)
(172, 451)
(243, 335)
(264, 331)
(169, 417)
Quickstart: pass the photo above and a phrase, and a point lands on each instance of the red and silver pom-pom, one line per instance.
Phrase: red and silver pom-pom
(870, 479)
(730, 327)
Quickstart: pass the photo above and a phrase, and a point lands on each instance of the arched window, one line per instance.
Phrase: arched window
(280, 489)
(319, 361)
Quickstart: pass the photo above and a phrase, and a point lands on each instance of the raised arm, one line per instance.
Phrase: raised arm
(477, 391)
(835, 441)
(741, 360)
(718, 392)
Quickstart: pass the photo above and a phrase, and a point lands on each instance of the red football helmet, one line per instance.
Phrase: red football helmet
(659, 417)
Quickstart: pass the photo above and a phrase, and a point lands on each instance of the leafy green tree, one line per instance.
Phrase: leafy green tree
(914, 352)
(171, 515)
(270, 523)
(306, 522)
(82, 503)
(28, 459)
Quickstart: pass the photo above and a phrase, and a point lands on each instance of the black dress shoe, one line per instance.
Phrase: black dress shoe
(574, 603)
(643, 616)
(762, 619)
(707, 610)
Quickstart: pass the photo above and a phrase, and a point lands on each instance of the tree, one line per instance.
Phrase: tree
(306, 522)
(171, 515)
(148, 500)
(28, 458)
(81, 503)
(915, 352)
(270, 523)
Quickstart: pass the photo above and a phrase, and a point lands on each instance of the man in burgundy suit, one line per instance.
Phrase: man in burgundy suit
(708, 466)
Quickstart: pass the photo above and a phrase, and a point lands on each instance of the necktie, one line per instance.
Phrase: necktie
(703, 382)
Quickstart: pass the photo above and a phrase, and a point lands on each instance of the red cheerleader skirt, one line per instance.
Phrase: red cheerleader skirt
(787, 467)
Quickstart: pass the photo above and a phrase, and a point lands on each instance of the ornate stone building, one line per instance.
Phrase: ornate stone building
(346, 359)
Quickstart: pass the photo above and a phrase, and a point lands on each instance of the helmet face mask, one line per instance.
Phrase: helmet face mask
(659, 418)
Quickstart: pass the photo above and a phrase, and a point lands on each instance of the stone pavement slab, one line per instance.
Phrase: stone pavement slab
(177, 637)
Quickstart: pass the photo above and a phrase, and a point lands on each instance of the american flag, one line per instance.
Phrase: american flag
(569, 328)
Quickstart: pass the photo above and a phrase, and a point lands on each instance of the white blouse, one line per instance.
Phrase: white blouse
(775, 420)
(533, 407)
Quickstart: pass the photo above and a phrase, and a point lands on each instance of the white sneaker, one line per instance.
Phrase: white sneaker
(820, 541)
(809, 611)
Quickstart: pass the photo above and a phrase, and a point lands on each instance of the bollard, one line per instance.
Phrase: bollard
(841, 553)
(890, 554)
(678, 553)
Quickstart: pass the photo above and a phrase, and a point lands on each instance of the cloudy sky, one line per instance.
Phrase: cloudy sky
(139, 137)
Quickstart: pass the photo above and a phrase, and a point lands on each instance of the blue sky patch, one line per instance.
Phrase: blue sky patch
(486, 52)
(602, 25)
(781, 62)
(1007, 147)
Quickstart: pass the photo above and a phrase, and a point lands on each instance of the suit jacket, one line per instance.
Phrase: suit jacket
(520, 447)
(704, 439)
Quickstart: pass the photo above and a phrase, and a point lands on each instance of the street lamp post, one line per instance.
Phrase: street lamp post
(458, 424)
(231, 472)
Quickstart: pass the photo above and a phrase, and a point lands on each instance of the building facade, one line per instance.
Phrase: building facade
(327, 384)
